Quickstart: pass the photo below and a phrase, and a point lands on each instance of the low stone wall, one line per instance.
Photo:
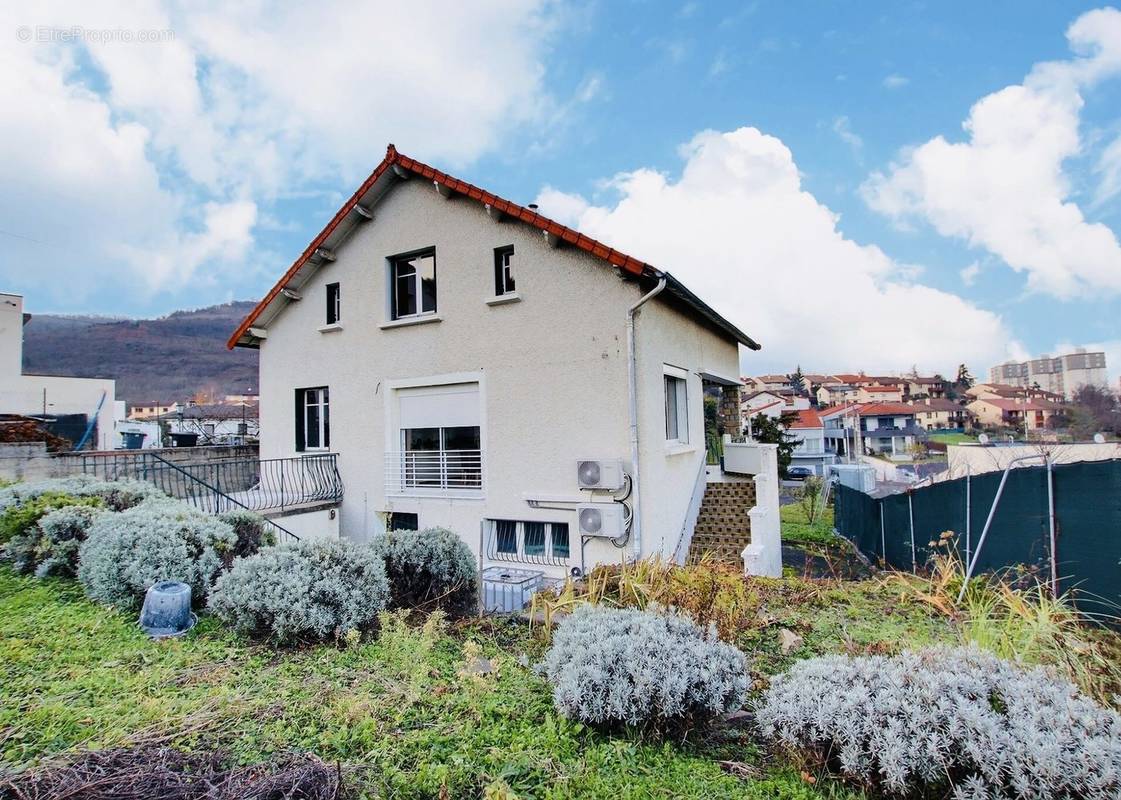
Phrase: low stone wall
(32, 462)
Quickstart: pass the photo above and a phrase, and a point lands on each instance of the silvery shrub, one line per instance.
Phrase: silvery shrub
(50, 548)
(160, 539)
(312, 590)
(947, 722)
(252, 530)
(118, 495)
(613, 667)
(427, 566)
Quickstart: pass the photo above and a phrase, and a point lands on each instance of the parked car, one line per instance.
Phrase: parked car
(799, 473)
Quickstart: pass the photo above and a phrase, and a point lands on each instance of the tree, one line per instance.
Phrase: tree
(1094, 409)
(772, 431)
(798, 381)
(961, 384)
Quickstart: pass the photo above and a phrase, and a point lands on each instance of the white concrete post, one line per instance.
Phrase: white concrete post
(764, 555)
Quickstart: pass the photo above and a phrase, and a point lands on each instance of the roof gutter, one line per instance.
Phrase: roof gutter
(632, 392)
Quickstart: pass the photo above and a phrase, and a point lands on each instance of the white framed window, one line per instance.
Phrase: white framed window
(677, 406)
(442, 458)
(412, 284)
(503, 270)
(528, 540)
(313, 419)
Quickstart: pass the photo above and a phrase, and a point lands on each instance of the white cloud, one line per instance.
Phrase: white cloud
(1109, 170)
(152, 162)
(843, 129)
(895, 81)
(1005, 188)
(740, 230)
(969, 274)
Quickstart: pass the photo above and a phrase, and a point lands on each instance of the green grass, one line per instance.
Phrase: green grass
(395, 712)
(952, 438)
(796, 526)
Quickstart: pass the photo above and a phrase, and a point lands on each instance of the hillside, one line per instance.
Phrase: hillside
(170, 358)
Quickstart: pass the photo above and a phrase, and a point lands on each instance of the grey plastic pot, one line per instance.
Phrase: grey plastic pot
(167, 610)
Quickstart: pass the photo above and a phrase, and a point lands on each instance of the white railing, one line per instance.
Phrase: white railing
(434, 472)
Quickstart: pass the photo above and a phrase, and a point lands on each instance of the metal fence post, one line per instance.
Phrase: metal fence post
(911, 516)
(1051, 528)
(968, 510)
(883, 533)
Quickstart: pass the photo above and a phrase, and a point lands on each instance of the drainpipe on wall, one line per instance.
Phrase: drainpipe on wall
(632, 389)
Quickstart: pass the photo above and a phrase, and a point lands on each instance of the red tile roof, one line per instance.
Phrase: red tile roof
(399, 161)
(869, 409)
(806, 418)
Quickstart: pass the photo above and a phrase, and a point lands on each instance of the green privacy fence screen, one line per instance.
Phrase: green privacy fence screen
(1087, 522)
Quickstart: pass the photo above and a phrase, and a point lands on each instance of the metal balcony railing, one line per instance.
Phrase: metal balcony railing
(438, 472)
(274, 484)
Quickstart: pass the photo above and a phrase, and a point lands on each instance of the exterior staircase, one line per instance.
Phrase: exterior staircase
(723, 527)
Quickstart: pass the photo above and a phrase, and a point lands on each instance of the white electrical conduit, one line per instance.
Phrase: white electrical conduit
(632, 389)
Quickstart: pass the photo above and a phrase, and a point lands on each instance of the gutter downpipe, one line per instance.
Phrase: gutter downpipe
(632, 392)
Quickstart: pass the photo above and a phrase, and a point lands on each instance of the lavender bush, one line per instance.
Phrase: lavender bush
(624, 666)
(51, 546)
(116, 495)
(311, 590)
(432, 565)
(160, 539)
(947, 722)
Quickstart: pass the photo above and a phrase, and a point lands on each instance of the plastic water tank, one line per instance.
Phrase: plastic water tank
(167, 610)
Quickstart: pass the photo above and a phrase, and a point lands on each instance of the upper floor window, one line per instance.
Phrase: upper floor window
(504, 270)
(413, 284)
(313, 419)
(334, 304)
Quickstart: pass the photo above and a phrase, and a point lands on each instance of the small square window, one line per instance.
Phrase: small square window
(504, 270)
(334, 305)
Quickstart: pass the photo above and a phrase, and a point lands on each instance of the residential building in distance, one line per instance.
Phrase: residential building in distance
(939, 414)
(1022, 413)
(217, 424)
(836, 394)
(770, 403)
(1003, 390)
(1062, 375)
(811, 450)
(880, 393)
(65, 406)
(472, 371)
(153, 410)
(887, 429)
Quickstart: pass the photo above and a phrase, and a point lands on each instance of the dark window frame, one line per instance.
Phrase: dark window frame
(323, 419)
(334, 304)
(419, 298)
(504, 279)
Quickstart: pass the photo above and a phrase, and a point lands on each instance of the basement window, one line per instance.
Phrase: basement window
(527, 540)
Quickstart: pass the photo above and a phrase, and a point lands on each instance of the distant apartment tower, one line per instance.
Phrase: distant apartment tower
(1062, 375)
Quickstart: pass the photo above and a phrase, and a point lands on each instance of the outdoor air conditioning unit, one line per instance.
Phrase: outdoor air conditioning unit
(604, 473)
(602, 519)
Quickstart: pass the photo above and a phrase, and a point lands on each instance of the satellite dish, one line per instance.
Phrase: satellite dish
(983, 438)
(1099, 438)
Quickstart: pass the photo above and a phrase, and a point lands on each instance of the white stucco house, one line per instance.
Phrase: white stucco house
(463, 356)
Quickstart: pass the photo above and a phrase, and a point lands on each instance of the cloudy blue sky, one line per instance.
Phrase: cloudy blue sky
(859, 186)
